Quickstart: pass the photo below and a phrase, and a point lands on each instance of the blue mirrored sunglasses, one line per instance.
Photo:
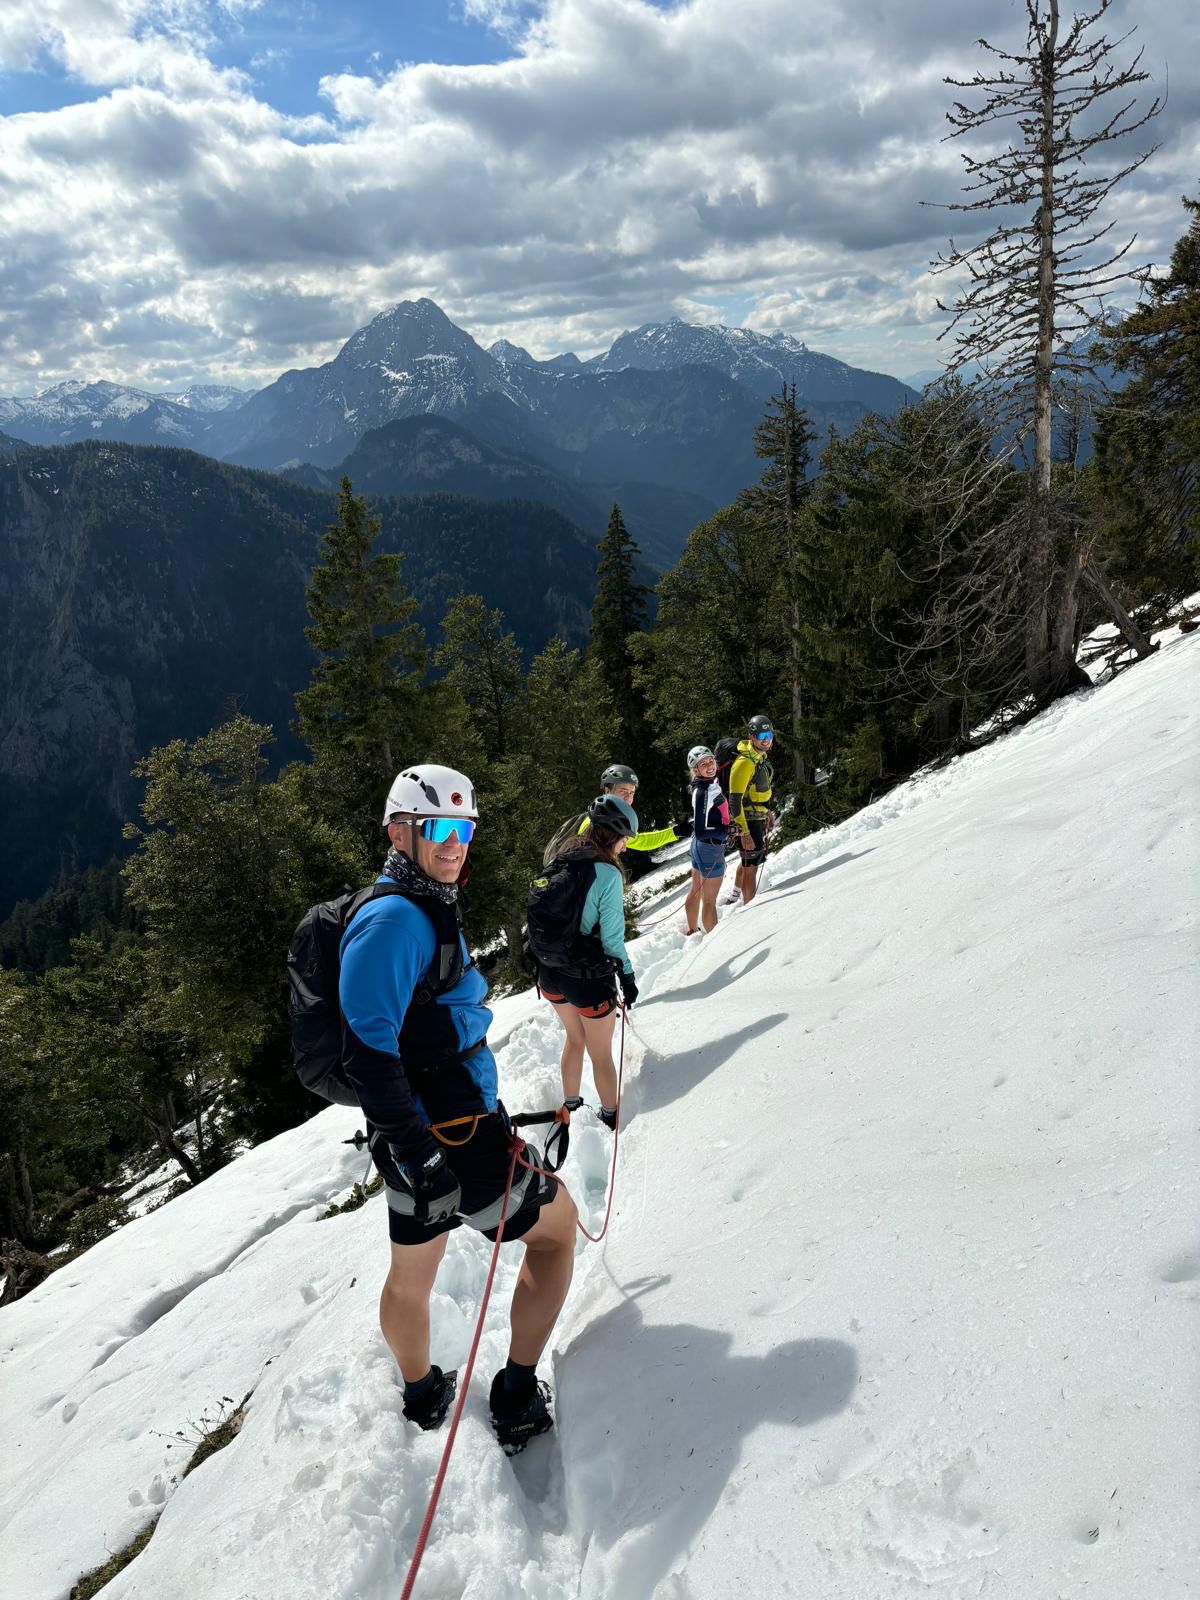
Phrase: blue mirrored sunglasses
(763, 738)
(439, 829)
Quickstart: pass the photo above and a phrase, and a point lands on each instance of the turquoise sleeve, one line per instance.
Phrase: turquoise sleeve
(605, 908)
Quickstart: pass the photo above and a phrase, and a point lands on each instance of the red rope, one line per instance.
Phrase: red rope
(595, 1238)
(431, 1509)
(518, 1146)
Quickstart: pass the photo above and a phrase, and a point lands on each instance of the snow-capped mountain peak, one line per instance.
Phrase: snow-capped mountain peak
(762, 362)
(509, 354)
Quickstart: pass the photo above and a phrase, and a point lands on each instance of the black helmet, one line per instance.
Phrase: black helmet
(618, 773)
(757, 726)
(610, 811)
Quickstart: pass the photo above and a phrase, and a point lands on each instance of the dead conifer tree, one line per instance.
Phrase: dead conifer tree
(1034, 289)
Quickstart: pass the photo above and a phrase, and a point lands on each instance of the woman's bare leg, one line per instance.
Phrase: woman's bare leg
(571, 1060)
(691, 905)
(598, 1032)
(708, 903)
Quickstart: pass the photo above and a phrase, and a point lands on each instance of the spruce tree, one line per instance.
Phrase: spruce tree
(484, 664)
(225, 865)
(619, 620)
(883, 538)
(718, 651)
(364, 710)
(1147, 465)
(783, 438)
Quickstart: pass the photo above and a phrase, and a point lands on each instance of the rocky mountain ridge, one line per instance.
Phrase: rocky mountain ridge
(670, 405)
(76, 410)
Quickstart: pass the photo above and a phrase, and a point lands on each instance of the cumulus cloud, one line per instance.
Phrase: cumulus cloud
(628, 160)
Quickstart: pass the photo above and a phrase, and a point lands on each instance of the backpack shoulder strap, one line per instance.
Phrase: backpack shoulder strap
(447, 966)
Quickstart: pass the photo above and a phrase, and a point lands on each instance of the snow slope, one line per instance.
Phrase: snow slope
(901, 1286)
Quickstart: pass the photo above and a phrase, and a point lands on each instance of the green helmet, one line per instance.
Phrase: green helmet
(618, 773)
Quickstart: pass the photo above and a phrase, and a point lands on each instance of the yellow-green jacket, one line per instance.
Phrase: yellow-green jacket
(750, 780)
(640, 841)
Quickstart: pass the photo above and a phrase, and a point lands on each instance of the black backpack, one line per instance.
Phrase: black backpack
(553, 910)
(314, 964)
(726, 753)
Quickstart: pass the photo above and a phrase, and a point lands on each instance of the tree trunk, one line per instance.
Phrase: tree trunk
(513, 938)
(799, 765)
(170, 1145)
(790, 497)
(1045, 667)
(23, 1270)
(18, 1219)
(198, 1100)
(1130, 632)
(28, 1208)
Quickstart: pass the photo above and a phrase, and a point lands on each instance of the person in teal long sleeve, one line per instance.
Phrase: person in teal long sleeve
(580, 946)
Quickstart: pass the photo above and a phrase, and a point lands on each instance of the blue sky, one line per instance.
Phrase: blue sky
(216, 190)
(287, 48)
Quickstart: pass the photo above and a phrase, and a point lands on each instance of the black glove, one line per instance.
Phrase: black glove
(685, 829)
(435, 1190)
(629, 989)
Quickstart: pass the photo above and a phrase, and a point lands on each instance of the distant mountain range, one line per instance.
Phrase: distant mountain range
(144, 591)
(665, 418)
(74, 411)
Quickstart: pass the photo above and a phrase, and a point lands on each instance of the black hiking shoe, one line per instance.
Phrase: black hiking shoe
(608, 1118)
(429, 1410)
(521, 1417)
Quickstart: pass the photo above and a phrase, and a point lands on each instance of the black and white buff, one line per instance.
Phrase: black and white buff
(405, 871)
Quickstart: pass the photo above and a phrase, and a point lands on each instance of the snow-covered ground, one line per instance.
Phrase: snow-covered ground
(900, 1290)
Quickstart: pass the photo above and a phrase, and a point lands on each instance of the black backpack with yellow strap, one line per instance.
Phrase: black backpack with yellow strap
(553, 911)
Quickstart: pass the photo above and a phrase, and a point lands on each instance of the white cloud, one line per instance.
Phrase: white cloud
(628, 161)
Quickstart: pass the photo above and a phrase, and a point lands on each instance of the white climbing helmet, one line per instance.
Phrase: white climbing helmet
(430, 791)
(697, 754)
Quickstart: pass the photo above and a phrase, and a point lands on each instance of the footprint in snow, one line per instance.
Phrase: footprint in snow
(932, 1532)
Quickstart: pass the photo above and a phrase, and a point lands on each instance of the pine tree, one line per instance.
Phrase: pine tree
(484, 664)
(225, 865)
(619, 621)
(719, 648)
(1147, 463)
(364, 709)
(783, 438)
(885, 532)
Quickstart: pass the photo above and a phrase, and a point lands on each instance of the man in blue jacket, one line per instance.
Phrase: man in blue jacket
(415, 1051)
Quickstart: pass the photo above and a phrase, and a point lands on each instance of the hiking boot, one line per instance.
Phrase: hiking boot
(608, 1118)
(732, 898)
(518, 1418)
(428, 1410)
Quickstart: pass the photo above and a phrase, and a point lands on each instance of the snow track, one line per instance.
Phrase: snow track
(898, 1295)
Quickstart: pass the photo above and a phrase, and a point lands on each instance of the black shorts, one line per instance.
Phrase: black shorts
(757, 829)
(481, 1167)
(592, 997)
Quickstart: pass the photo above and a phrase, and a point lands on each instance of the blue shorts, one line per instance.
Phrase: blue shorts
(708, 859)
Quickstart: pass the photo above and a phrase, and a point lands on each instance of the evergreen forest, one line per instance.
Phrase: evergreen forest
(863, 606)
